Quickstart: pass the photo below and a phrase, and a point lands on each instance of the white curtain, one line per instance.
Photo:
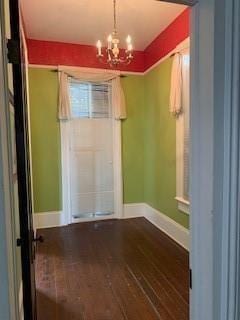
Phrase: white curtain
(176, 86)
(118, 98)
(64, 109)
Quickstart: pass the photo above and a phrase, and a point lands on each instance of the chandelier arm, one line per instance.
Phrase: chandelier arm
(125, 61)
(101, 60)
(127, 57)
(107, 60)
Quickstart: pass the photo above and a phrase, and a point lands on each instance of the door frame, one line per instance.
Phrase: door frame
(215, 169)
(26, 241)
(226, 214)
(10, 302)
(215, 159)
(117, 172)
(201, 160)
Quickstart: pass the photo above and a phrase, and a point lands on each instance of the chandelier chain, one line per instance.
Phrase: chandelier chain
(115, 16)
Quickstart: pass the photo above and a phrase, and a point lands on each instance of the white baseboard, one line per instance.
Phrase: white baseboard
(48, 219)
(174, 230)
(133, 210)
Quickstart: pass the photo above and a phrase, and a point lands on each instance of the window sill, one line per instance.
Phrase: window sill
(183, 205)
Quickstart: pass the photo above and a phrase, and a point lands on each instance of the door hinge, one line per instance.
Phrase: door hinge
(13, 51)
(190, 278)
(19, 242)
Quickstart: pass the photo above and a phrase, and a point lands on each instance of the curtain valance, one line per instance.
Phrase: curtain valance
(118, 98)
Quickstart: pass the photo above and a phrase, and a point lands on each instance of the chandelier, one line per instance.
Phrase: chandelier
(113, 55)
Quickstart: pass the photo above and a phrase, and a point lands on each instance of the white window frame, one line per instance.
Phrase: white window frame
(117, 171)
(183, 204)
(90, 96)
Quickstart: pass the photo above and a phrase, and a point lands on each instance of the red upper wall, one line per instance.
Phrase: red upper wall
(58, 53)
(66, 54)
(167, 40)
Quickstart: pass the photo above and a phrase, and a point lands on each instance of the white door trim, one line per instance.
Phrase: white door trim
(9, 294)
(201, 159)
(215, 156)
(117, 160)
(227, 173)
(117, 168)
(65, 146)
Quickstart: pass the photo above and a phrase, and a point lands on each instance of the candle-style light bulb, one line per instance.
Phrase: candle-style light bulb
(109, 39)
(130, 47)
(99, 46)
(129, 39)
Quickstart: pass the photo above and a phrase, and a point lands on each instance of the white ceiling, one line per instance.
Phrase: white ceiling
(86, 21)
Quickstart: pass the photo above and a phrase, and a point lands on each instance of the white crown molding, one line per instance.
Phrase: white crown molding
(84, 69)
(185, 44)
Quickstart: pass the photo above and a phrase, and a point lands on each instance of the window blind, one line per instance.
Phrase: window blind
(90, 100)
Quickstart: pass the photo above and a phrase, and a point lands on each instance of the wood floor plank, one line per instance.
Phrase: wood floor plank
(111, 270)
(176, 272)
(131, 297)
(166, 242)
(145, 271)
(45, 282)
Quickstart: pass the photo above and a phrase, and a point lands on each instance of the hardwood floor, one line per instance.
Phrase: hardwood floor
(115, 269)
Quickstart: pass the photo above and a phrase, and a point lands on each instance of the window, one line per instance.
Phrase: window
(182, 139)
(90, 100)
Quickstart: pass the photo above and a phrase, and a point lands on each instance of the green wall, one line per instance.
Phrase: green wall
(160, 145)
(148, 142)
(45, 140)
(133, 140)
